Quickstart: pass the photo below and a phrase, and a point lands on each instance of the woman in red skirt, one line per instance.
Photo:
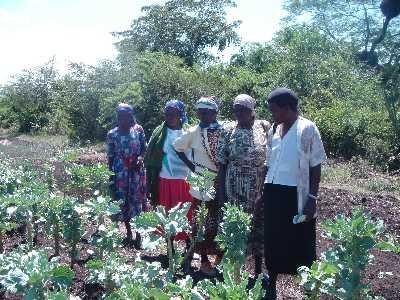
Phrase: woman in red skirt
(167, 173)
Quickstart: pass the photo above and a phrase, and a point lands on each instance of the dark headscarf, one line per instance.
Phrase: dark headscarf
(283, 96)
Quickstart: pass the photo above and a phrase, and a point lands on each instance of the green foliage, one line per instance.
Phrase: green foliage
(347, 132)
(31, 274)
(158, 225)
(52, 211)
(136, 291)
(129, 92)
(6, 221)
(106, 240)
(233, 234)
(59, 295)
(72, 229)
(230, 287)
(340, 270)
(94, 177)
(110, 272)
(115, 273)
(183, 28)
(29, 97)
(10, 177)
(78, 96)
(320, 278)
(25, 205)
(204, 183)
(97, 208)
(371, 41)
(162, 77)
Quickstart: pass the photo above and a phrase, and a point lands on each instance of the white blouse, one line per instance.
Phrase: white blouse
(284, 167)
(311, 153)
(172, 166)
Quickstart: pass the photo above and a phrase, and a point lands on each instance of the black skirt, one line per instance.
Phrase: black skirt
(287, 245)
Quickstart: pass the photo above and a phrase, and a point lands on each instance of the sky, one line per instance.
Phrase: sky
(34, 31)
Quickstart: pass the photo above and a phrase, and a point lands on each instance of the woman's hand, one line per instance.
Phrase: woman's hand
(137, 164)
(140, 160)
(310, 208)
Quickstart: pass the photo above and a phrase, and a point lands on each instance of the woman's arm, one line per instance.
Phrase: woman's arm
(110, 149)
(182, 144)
(311, 206)
(186, 160)
(221, 192)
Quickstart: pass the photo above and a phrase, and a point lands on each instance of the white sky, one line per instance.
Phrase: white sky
(33, 31)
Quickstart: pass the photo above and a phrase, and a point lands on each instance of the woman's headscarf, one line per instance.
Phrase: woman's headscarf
(245, 100)
(180, 106)
(283, 96)
(124, 107)
(208, 103)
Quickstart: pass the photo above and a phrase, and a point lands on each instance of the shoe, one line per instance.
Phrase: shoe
(270, 293)
(137, 242)
(187, 264)
(265, 281)
(218, 260)
(207, 269)
(128, 242)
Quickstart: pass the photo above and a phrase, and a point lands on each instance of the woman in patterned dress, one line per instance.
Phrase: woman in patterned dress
(126, 146)
(241, 158)
(202, 140)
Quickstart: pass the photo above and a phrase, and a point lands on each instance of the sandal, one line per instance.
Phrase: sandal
(137, 242)
(207, 269)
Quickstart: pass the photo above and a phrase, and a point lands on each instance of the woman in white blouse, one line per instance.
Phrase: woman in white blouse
(294, 156)
(201, 140)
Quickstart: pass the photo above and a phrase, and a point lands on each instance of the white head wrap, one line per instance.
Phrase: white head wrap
(208, 103)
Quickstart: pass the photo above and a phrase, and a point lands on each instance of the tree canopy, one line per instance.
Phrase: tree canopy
(185, 28)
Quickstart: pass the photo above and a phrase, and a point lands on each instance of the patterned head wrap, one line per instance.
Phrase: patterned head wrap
(245, 100)
(180, 106)
(124, 107)
(208, 103)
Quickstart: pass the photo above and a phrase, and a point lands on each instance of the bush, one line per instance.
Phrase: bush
(348, 131)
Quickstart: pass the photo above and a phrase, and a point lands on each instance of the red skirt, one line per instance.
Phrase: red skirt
(171, 193)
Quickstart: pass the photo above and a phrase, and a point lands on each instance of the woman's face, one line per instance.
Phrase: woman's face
(243, 114)
(172, 117)
(279, 114)
(206, 116)
(125, 120)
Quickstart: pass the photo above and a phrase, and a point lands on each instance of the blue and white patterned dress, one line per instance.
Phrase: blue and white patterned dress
(130, 180)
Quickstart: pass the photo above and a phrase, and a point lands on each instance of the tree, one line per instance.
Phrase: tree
(78, 96)
(185, 28)
(371, 28)
(29, 97)
(341, 95)
(359, 22)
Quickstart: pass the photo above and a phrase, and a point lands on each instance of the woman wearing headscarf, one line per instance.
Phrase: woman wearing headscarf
(167, 173)
(241, 158)
(201, 140)
(126, 145)
(294, 156)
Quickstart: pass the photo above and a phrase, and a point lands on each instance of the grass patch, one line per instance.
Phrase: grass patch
(357, 175)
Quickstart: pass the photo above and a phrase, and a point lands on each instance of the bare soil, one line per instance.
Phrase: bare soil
(332, 202)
